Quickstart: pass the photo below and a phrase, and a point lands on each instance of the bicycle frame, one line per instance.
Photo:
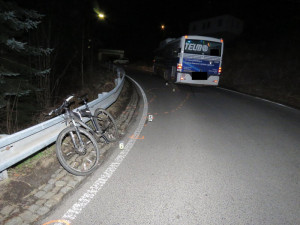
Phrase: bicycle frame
(76, 119)
(88, 114)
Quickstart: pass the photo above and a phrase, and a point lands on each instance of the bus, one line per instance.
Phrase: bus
(193, 60)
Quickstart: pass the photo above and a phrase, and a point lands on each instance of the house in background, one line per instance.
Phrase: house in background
(106, 55)
(226, 26)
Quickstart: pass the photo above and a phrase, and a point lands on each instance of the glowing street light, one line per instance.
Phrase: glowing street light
(162, 27)
(101, 16)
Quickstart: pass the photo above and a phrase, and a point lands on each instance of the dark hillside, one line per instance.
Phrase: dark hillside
(265, 61)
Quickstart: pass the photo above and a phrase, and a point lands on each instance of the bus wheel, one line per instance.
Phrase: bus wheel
(165, 75)
(169, 77)
(154, 72)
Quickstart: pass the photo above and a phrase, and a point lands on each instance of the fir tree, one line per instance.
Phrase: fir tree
(18, 59)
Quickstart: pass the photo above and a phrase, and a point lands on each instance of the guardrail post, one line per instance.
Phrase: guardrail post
(118, 73)
(3, 175)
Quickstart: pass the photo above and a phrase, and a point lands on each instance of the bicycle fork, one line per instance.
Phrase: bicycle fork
(79, 149)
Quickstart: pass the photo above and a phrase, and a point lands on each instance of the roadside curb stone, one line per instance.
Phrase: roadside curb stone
(33, 208)
(72, 183)
(28, 216)
(7, 210)
(51, 181)
(60, 183)
(59, 196)
(48, 187)
(14, 221)
(49, 195)
(50, 203)
(40, 194)
(40, 202)
(65, 190)
(43, 210)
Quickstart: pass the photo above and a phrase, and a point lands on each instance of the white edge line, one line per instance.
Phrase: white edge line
(84, 200)
(263, 99)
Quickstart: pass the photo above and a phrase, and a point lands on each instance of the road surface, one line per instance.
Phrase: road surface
(210, 156)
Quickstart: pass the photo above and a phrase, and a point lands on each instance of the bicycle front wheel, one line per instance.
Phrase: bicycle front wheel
(77, 151)
(107, 124)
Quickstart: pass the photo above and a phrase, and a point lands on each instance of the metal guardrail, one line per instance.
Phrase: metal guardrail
(20, 145)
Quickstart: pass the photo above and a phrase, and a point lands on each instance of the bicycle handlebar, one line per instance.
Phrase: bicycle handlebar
(65, 104)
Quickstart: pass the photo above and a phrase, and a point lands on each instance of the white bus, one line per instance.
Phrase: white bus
(194, 60)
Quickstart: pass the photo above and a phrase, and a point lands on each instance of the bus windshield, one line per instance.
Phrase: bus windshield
(202, 47)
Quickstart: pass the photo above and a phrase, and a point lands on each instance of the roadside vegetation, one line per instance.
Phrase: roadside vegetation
(41, 61)
(265, 64)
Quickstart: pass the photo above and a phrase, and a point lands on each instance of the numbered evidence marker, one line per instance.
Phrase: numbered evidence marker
(121, 144)
(150, 118)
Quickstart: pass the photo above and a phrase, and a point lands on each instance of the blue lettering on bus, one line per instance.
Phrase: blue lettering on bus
(195, 47)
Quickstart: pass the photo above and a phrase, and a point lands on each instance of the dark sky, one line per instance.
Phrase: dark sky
(135, 25)
(140, 21)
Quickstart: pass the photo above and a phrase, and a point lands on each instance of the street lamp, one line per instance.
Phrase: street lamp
(101, 16)
(162, 27)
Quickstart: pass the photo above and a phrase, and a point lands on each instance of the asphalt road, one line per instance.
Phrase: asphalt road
(209, 156)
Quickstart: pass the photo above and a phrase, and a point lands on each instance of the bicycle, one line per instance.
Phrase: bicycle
(102, 122)
(76, 148)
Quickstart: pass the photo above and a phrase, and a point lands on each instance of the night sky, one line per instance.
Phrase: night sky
(135, 25)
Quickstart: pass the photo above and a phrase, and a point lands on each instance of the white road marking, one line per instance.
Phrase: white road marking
(84, 200)
(263, 99)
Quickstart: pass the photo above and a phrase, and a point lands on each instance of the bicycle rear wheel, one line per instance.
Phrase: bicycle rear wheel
(107, 124)
(78, 154)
